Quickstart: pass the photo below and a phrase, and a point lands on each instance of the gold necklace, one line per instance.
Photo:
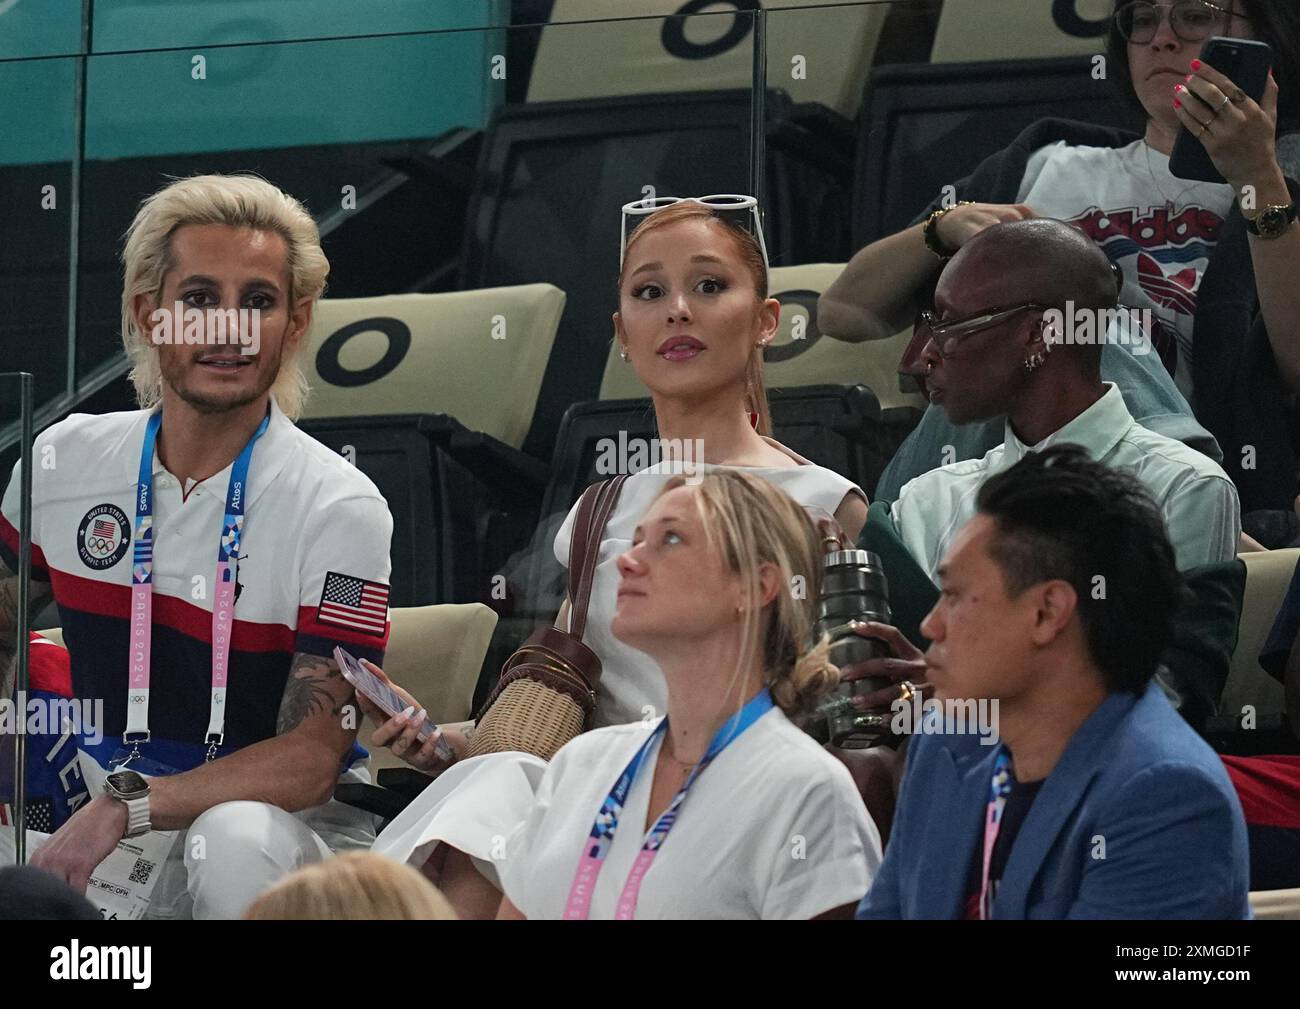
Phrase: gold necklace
(671, 756)
(1170, 205)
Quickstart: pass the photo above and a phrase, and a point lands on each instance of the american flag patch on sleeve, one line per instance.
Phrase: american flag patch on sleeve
(354, 603)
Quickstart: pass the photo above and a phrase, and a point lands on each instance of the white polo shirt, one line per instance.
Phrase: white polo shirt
(1198, 501)
(773, 828)
(311, 518)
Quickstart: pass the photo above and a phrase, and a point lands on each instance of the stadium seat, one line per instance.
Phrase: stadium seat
(1275, 905)
(477, 356)
(836, 426)
(1267, 576)
(801, 355)
(1013, 29)
(435, 652)
(709, 50)
(927, 126)
(461, 501)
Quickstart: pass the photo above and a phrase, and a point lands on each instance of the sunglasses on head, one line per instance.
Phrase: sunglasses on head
(741, 210)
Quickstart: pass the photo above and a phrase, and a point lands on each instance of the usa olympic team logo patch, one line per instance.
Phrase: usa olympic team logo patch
(103, 537)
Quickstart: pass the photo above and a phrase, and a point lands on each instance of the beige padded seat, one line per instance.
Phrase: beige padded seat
(435, 653)
(478, 356)
(1267, 576)
(1276, 905)
(627, 57)
(1012, 30)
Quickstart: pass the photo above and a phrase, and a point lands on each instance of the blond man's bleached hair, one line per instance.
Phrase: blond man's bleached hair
(240, 201)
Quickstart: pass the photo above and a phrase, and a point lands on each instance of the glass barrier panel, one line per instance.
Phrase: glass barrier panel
(39, 206)
(39, 28)
(129, 25)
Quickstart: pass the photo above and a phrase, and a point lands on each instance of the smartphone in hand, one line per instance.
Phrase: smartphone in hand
(386, 699)
(1244, 62)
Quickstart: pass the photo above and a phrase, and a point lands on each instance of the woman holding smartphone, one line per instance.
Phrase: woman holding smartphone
(693, 319)
(1211, 262)
(723, 807)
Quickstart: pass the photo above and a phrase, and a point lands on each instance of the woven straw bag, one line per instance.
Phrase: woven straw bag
(546, 693)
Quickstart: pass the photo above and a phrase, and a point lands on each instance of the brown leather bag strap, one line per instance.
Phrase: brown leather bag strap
(580, 534)
(594, 510)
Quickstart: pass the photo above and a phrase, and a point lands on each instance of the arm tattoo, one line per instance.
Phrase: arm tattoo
(307, 691)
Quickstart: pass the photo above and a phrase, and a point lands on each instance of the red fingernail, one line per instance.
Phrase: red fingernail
(1196, 64)
(1187, 78)
(1177, 104)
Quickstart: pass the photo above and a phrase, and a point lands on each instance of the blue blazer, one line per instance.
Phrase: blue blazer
(1138, 819)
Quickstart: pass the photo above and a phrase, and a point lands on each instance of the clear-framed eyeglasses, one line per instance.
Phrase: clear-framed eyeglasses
(1191, 20)
(948, 334)
(741, 210)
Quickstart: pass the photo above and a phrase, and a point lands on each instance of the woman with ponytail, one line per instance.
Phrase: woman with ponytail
(723, 808)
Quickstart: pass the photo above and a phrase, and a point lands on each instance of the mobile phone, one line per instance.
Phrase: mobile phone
(386, 699)
(1244, 62)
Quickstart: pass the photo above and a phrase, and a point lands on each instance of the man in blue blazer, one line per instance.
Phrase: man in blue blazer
(1092, 798)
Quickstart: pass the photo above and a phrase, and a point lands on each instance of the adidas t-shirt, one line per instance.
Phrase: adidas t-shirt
(1158, 228)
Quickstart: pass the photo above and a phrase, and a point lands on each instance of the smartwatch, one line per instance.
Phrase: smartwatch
(131, 789)
(1271, 222)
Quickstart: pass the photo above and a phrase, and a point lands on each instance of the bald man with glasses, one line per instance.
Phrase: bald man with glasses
(1009, 337)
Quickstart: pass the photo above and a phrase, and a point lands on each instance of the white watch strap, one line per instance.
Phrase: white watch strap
(137, 816)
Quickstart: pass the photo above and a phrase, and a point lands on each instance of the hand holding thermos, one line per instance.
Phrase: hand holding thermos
(877, 664)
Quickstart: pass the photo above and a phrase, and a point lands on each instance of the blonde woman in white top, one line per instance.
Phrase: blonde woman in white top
(693, 319)
(723, 808)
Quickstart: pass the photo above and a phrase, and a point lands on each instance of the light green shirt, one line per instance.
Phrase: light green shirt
(1198, 501)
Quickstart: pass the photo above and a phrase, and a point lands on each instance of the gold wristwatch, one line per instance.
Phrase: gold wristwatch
(931, 231)
(1271, 222)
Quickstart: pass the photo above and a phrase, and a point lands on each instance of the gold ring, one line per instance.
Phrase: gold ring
(1205, 128)
(908, 691)
(1226, 103)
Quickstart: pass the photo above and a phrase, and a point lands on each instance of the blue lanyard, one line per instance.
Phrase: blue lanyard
(605, 826)
(139, 658)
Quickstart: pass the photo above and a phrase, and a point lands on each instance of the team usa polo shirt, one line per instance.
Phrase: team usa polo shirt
(313, 573)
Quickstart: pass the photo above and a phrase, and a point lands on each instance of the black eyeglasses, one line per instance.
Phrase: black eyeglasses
(1191, 20)
(948, 334)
